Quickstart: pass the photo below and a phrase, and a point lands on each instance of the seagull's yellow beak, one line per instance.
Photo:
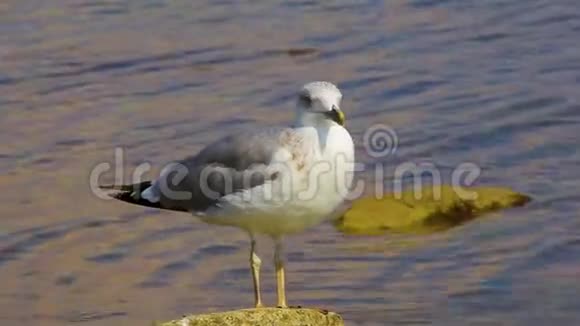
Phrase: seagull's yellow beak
(336, 115)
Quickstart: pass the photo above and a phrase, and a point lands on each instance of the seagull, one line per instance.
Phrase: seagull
(275, 181)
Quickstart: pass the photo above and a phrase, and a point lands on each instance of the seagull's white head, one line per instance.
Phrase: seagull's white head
(319, 105)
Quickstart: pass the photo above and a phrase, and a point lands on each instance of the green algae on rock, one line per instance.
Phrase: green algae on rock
(429, 210)
(262, 316)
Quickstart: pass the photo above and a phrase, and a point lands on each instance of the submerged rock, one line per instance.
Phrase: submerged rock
(262, 316)
(429, 210)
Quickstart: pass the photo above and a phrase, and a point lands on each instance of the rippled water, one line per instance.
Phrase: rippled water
(490, 82)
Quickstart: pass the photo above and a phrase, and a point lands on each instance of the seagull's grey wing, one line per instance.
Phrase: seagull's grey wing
(231, 164)
(241, 151)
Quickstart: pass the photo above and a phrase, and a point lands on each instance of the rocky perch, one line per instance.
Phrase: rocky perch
(261, 316)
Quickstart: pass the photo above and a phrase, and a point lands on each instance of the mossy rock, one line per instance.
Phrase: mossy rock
(425, 211)
(262, 316)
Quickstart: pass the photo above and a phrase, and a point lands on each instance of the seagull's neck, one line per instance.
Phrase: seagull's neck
(320, 126)
(319, 131)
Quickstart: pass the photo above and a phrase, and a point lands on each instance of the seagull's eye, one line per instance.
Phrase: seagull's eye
(305, 100)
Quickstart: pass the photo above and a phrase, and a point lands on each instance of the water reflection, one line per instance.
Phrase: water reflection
(490, 82)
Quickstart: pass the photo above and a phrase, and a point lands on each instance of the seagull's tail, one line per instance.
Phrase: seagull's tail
(131, 193)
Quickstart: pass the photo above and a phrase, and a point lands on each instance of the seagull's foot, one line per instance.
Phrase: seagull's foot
(259, 305)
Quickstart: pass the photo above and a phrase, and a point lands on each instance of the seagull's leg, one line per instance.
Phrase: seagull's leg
(280, 279)
(255, 263)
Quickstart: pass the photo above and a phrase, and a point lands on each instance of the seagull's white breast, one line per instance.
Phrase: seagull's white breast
(315, 176)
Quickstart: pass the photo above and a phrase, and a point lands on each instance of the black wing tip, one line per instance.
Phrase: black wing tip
(130, 193)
